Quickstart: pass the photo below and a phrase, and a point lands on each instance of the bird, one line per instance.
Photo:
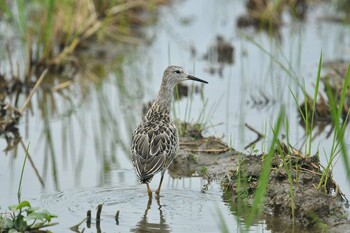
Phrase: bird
(155, 140)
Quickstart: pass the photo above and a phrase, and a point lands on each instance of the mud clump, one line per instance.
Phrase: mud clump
(200, 156)
(296, 191)
(9, 114)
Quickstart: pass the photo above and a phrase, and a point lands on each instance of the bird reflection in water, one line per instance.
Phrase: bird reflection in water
(145, 226)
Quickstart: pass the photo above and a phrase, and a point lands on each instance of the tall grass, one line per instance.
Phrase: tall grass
(338, 143)
(308, 116)
(337, 107)
(51, 31)
(314, 105)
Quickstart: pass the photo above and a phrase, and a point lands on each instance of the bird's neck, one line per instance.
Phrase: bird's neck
(162, 103)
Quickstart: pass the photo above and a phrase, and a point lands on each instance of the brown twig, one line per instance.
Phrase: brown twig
(98, 218)
(33, 165)
(116, 217)
(260, 136)
(98, 214)
(61, 86)
(126, 6)
(310, 171)
(26, 102)
(188, 143)
(88, 219)
(209, 150)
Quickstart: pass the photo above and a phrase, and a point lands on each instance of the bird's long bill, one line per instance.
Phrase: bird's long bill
(196, 79)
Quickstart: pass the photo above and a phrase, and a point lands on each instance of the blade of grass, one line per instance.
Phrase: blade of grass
(49, 27)
(264, 177)
(288, 70)
(314, 104)
(339, 131)
(342, 129)
(222, 223)
(21, 178)
(287, 164)
(21, 16)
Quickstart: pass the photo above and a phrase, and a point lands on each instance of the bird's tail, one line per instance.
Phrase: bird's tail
(145, 179)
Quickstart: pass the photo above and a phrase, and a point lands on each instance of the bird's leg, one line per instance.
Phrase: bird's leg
(149, 191)
(160, 183)
(158, 201)
(149, 203)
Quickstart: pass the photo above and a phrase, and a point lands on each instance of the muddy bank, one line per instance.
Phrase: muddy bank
(314, 208)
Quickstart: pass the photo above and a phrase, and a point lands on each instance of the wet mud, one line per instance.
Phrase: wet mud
(293, 193)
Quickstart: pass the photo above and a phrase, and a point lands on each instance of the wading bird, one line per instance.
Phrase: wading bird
(155, 140)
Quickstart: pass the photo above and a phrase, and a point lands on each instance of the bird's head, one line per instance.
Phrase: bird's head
(175, 74)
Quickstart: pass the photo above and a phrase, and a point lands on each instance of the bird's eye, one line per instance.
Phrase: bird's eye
(177, 71)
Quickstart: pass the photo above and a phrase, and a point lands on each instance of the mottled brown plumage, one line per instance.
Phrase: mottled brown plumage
(155, 140)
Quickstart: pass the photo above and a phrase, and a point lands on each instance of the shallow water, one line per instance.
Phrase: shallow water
(180, 205)
(82, 151)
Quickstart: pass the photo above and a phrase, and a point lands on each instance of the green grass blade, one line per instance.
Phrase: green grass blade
(288, 70)
(21, 178)
(342, 130)
(260, 192)
(223, 225)
(49, 27)
(314, 104)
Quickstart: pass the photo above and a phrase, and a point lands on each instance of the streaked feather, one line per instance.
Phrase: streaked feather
(154, 145)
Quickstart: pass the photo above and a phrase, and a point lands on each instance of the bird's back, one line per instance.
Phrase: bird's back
(154, 144)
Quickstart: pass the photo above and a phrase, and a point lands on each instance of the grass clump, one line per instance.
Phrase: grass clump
(332, 111)
(51, 31)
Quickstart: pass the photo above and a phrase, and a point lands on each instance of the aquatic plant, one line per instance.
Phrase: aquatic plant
(23, 217)
(338, 114)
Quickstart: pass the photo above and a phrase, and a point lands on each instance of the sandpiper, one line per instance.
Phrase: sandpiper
(155, 140)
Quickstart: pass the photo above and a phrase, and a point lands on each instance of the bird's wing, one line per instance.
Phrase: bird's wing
(153, 150)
